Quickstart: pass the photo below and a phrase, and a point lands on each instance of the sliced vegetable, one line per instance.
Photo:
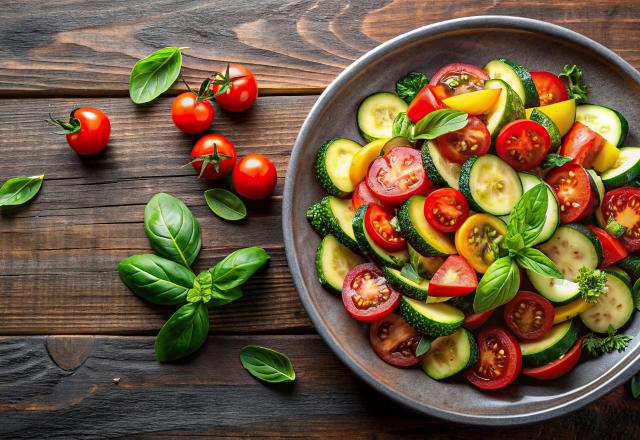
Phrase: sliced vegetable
(362, 194)
(460, 145)
(529, 315)
(431, 319)
(615, 308)
(478, 240)
(454, 278)
(396, 176)
(440, 170)
(606, 158)
(550, 88)
(549, 125)
(474, 103)
(559, 367)
(612, 249)
(553, 345)
(457, 79)
(573, 247)
(395, 341)
(509, 107)
(332, 165)
(424, 266)
(367, 295)
(570, 310)
(370, 248)
(500, 360)
(563, 114)
(605, 121)
(623, 206)
(334, 216)
(425, 102)
(556, 290)
(517, 77)
(333, 261)
(625, 169)
(446, 209)
(376, 114)
(523, 144)
(362, 159)
(415, 287)
(377, 222)
(419, 233)
(552, 217)
(450, 355)
(582, 144)
(572, 186)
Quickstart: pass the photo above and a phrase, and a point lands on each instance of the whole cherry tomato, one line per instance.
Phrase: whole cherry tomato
(254, 177)
(191, 114)
(236, 90)
(213, 156)
(87, 131)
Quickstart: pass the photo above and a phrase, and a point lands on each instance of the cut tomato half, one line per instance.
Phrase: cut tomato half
(455, 277)
(377, 222)
(366, 294)
(500, 360)
(458, 78)
(424, 103)
(582, 144)
(460, 145)
(612, 249)
(623, 205)
(395, 341)
(559, 367)
(529, 315)
(572, 186)
(397, 175)
(446, 209)
(523, 144)
(550, 88)
(473, 321)
(362, 194)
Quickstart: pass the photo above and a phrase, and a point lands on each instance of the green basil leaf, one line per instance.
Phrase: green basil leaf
(402, 126)
(225, 204)
(266, 364)
(183, 333)
(237, 267)
(497, 286)
(409, 272)
(409, 85)
(554, 160)
(514, 243)
(19, 190)
(172, 229)
(156, 279)
(529, 215)
(635, 386)
(439, 122)
(423, 346)
(155, 74)
(221, 298)
(534, 260)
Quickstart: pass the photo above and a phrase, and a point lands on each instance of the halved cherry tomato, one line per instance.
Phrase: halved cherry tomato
(460, 145)
(529, 315)
(523, 144)
(446, 209)
(582, 144)
(500, 360)
(395, 341)
(474, 321)
(454, 278)
(366, 294)
(362, 194)
(458, 78)
(623, 205)
(612, 249)
(550, 88)
(572, 187)
(377, 222)
(559, 367)
(478, 240)
(397, 175)
(424, 103)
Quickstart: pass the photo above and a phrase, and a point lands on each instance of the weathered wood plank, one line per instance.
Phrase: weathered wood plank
(211, 396)
(87, 48)
(59, 252)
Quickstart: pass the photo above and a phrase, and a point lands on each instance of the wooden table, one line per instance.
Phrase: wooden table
(69, 326)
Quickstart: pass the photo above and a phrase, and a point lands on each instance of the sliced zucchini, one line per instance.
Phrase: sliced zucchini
(419, 233)
(597, 182)
(333, 261)
(370, 248)
(425, 266)
(549, 125)
(400, 283)
(625, 170)
(490, 184)
(440, 170)
(553, 209)
(631, 264)
(376, 114)
(332, 165)
(550, 347)
(517, 77)
(334, 216)
(573, 247)
(556, 290)
(431, 319)
(508, 108)
(450, 354)
(616, 271)
(610, 124)
(615, 308)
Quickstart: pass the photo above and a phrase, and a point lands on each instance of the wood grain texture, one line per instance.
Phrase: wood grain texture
(87, 48)
(59, 252)
(211, 396)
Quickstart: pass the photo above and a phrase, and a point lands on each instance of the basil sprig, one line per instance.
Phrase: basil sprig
(19, 190)
(266, 364)
(175, 233)
(433, 125)
(155, 74)
(409, 85)
(501, 281)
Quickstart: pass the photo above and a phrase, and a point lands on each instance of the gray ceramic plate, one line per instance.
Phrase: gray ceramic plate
(475, 40)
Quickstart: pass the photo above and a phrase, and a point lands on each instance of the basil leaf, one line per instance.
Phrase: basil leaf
(498, 285)
(423, 346)
(172, 229)
(410, 273)
(156, 279)
(534, 260)
(221, 298)
(266, 364)
(439, 122)
(225, 204)
(402, 126)
(155, 74)
(514, 243)
(409, 85)
(237, 267)
(529, 215)
(554, 160)
(183, 333)
(19, 190)
(635, 386)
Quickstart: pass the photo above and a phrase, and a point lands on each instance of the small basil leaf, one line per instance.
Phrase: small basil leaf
(237, 267)
(439, 122)
(409, 85)
(534, 260)
(155, 74)
(498, 285)
(554, 160)
(423, 346)
(172, 229)
(183, 333)
(221, 298)
(19, 190)
(266, 364)
(410, 273)
(402, 126)
(514, 243)
(225, 204)
(202, 288)
(529, 215)
(156, 279)
(635, 386)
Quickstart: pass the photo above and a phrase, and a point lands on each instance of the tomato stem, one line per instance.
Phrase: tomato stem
(73, 126)
(213, 159)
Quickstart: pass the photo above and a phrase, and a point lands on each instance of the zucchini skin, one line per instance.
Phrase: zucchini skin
(631, 264)
(430, 168)
(514, 110)
(555, 351)
(322, 173)
(465, 180)
(363, 243)
(584, 230)
(411, 234)
(425, 325)
(547, 123)
(324, 222)
(474, 350)
(320, 271)
(405, 288)
(532, 99)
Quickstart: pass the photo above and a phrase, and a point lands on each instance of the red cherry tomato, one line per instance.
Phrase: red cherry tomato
(455, 277)
(559, 367)
(460, 145)
(523, 144)
(241, 88)
(550, 88)
(623, 205)
(377, 222)
(213, 156)
(572, 186)
(500, 360)
(458, 78)
(397, 175)
(582, 144)
(190, 116)
(474, 321)
(366, 294)
(362, 194)
(87, 130)
(612, 249)
(254, 177)
(395, 341)
(424, 103)
(446, 209)
(529, 315)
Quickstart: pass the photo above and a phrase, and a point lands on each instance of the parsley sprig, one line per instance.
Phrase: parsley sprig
(597, 345)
